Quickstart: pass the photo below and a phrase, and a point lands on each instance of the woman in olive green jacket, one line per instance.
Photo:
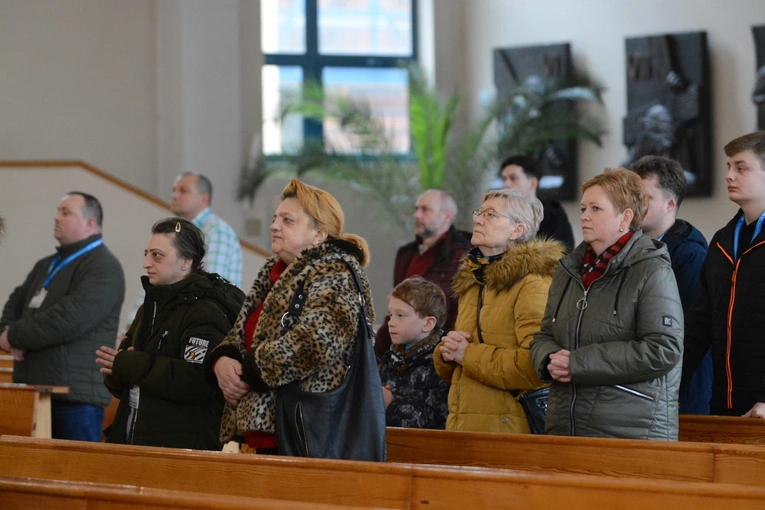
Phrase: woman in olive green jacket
(502, 288)
(612, 337)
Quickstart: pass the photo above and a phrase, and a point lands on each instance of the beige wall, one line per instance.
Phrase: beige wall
(596, 30)
(78, 83)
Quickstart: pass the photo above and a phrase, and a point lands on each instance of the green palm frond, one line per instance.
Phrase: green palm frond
(527, 118)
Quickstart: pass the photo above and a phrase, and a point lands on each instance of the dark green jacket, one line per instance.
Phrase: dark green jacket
(79, 314)
(173, 332)
(625, 335)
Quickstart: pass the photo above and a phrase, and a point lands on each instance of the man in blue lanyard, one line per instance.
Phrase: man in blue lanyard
(665, 183)
(729, 313)
(68, 306)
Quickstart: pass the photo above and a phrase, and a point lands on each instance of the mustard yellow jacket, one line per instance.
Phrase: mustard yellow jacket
(514, 298)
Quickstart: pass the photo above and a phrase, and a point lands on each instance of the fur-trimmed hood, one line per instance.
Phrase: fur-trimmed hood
(538, 257)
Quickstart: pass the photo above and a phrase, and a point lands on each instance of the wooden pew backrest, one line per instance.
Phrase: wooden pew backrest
(24, 493)
(687, 462)
(358, 483)
(722, 429)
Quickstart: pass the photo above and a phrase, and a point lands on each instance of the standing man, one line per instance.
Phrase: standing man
(522, 173)
(192, 195)
(728, 314)
(68, 306)
(664, 182)
(435, 254)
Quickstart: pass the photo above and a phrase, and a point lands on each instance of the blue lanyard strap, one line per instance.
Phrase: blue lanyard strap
(55, 267)
(739, 226)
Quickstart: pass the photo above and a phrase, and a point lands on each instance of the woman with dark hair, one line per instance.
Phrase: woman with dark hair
(611, 341)
(157, 370)
(269, 348)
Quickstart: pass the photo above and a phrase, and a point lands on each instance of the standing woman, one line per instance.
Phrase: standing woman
(157, 372)
(612, 336)
(267, 348)
(502, 287)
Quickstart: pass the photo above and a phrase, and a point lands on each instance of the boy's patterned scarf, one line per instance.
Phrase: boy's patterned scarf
(401, 357)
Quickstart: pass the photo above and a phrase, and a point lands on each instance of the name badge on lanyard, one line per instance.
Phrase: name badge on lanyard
(55, 267)
(38, 298)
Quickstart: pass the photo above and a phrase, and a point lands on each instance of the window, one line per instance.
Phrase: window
(351, 48)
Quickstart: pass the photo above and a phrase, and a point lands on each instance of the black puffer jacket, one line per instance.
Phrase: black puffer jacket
(172, 334)
(555, 224)
(729, 317)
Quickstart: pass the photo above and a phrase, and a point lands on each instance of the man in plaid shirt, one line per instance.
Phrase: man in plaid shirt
(192, 194)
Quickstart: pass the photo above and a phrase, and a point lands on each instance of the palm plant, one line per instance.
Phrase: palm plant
(529, 118)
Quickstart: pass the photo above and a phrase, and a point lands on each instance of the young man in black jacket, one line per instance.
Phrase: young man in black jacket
(728, 314)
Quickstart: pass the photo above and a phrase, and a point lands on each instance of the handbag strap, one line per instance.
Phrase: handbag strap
(297, 303)
(515, 393)
(478, 313)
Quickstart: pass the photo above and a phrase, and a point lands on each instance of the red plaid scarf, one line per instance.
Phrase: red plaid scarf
(594, 266)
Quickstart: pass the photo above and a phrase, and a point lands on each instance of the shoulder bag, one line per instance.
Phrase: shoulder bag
(347, 422)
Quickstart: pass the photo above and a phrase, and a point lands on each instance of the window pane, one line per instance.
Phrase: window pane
(365, 27)
(387, 93)
(278, 82)
(282, 25)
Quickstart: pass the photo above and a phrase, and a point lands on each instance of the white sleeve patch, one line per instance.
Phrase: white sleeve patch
(195, 353)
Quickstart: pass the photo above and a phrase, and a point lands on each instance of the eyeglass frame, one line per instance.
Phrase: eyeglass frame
(479, 212)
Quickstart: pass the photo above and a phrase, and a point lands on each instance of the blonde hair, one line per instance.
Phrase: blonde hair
(326, 214)
(625, 191)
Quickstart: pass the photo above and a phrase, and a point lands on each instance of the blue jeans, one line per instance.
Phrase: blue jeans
(81, 422)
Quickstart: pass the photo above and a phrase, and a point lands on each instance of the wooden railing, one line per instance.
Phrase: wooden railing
(116, 181)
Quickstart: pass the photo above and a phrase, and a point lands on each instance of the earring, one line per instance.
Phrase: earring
(621, 230)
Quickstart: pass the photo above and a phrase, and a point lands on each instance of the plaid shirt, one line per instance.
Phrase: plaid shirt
(224, 253)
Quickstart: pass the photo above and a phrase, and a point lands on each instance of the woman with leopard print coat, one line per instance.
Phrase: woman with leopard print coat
(259, 354)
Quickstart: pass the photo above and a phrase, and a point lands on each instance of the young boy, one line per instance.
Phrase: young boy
(414, 395)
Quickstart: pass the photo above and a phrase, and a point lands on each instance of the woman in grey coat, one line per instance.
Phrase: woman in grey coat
(612, 336)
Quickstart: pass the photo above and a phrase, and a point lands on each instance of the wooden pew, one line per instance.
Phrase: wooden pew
(356, 483)
(25, 409)
(25, 493)
(6, 368)
(722, 429)
(697, 462)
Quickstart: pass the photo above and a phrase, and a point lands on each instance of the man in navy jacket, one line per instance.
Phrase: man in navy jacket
(664, 181)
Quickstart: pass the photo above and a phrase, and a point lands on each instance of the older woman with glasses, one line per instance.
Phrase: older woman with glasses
(611, 341)
(502, 287)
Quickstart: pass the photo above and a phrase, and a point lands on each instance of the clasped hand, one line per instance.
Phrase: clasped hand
(454, 345)
(105, 357)
(18, 354)
(229, 374)
(559, 366)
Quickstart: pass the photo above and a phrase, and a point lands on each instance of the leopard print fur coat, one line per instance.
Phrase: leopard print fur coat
(317, 345)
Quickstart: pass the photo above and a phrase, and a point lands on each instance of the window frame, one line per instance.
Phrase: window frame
(313, 63)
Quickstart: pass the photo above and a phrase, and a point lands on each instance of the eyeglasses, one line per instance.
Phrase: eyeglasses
(490, 214)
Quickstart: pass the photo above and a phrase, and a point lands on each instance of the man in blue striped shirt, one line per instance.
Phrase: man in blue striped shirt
(192, 194)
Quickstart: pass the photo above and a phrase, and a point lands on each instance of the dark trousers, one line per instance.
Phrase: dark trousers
(82, 422)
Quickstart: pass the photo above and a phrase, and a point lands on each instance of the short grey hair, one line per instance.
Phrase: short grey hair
(447, 201)
(522, 209)
(204, 186)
